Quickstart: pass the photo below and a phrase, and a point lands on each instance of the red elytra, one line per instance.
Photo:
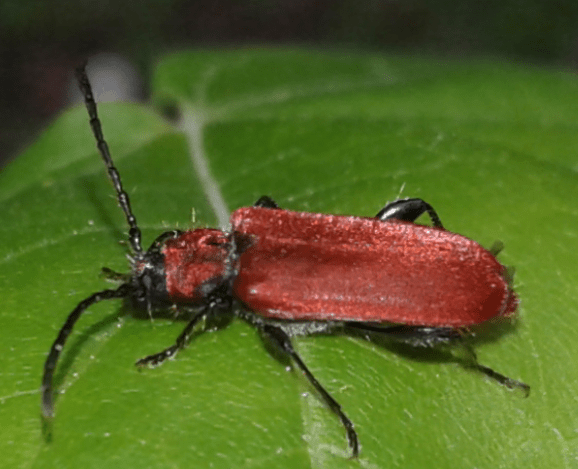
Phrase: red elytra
(310, 266)
(279, 270)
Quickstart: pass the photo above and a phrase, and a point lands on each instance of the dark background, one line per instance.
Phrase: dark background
(41, 41)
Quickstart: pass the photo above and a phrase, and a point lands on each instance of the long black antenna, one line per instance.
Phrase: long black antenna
(134, 234)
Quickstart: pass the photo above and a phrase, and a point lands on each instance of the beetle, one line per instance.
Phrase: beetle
(287, 273)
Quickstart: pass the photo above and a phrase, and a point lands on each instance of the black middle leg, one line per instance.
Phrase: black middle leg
(408, 210)
(276, 336)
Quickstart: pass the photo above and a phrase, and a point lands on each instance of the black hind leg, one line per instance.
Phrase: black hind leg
(419, 336)
(408, 210)
(266, 202)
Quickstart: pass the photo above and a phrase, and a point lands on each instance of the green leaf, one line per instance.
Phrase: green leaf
(491, 146)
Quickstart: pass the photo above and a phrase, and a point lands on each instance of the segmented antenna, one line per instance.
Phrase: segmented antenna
(134, 233)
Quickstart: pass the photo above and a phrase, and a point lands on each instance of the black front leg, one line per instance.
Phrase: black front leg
(182, 340)
(408, 210)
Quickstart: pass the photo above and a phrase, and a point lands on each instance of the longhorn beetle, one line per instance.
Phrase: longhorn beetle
(277, 269)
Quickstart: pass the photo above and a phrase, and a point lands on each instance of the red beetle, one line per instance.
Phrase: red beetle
(291, 273)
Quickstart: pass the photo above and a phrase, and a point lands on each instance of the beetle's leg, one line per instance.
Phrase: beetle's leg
(416, 336)
(182, 340)
(408, 210)
(500, 378)
(52, 359)
(266, 202)
(496, 248)
(419, 336)
(281, 340)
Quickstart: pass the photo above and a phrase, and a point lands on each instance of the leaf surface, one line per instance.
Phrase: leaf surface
(491, 146)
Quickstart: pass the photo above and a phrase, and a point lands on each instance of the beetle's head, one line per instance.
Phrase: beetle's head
(148, 284)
